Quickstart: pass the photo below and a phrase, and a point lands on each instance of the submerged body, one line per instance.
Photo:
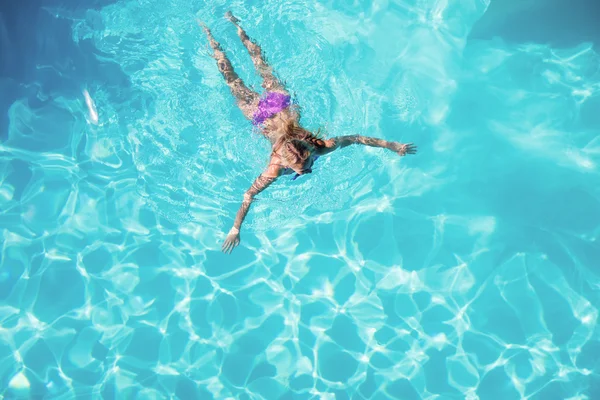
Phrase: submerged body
(294, 149)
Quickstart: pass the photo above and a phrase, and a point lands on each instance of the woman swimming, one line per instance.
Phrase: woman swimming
(294, 149)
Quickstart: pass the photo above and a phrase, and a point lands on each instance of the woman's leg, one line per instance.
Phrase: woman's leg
(247, 99)
(270, 81)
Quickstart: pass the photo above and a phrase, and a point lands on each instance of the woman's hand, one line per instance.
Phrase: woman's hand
(232, 240)
(403, 149)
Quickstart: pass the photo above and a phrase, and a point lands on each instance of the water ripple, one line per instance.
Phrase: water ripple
(443, 275)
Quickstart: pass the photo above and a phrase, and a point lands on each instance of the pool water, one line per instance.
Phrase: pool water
(468, 271)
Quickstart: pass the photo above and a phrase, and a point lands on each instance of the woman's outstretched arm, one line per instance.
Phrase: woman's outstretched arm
(343, 141)
(263, 181)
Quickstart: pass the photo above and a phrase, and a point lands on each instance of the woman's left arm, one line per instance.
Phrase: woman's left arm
(343, 141)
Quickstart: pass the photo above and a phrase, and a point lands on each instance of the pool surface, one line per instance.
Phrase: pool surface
(469, 271)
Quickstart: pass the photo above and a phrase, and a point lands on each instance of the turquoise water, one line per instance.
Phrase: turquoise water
(468, 271)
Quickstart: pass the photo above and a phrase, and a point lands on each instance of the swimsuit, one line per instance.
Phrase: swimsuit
(297, 175)
(268, 106)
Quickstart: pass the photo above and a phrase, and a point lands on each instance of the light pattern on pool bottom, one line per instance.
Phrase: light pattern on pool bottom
(464, 272)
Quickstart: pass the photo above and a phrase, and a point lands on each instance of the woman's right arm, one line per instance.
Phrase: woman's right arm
(263, 181)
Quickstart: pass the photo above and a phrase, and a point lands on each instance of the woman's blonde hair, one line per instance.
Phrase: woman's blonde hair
(295, 144)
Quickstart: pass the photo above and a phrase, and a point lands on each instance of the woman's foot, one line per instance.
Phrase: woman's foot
(203, 26)
(231, 17)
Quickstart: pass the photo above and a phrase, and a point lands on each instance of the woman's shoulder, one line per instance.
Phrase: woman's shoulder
(275, 167)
